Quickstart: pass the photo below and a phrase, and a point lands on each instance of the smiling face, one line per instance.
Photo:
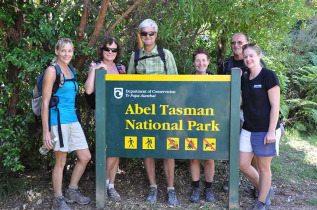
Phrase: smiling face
(251, 58)
(65, 53)
(148, 41)
(109, 55)
(237, 41)
(201, 63)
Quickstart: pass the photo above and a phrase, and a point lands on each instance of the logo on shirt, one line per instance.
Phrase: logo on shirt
(118, 93)
(257, 86)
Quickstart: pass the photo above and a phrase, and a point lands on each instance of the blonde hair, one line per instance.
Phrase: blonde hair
(60, 44)
(253, 46)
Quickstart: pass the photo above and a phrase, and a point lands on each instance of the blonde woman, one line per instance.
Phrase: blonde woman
(73, 138)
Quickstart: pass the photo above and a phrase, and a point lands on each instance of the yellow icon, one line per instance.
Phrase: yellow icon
(130, 142)
(191, 144)
(209, 144)
(148, 142)
(172, 143)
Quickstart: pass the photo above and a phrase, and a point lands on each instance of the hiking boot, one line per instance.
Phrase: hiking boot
(60, 204)
(195, 196)
(209, 195)
(113, 194)
(269, 196)
(73, 196)
(259, 206)
(172, 199)
(151, 198)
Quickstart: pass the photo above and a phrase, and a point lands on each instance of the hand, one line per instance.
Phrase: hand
(47, 140)
(269, 138)
(101, 66)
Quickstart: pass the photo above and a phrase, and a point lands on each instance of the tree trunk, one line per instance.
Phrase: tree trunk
(83, 21)
(222, 41)
(14, 35)
(109, 31)
(79, 63)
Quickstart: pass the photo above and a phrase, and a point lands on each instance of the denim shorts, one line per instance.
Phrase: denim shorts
(254, 142)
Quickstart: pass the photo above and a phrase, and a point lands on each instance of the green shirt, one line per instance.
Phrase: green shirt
(153, 65)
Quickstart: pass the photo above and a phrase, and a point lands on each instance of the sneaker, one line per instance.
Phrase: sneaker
(269, 197)
(151, 198)
(195, 196)
(60, 204)
(113, 194)
(209, 195)
(172, 199)
(73, 196)
(225, 188)
(259, 206)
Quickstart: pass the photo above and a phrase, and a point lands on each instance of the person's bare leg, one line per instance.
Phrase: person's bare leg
(169, 170)
(265, 177)
(57, 175)
(248, 170)
(149, 164)
(194, 166)
(112, 168)
(84, 157)
(209, 170)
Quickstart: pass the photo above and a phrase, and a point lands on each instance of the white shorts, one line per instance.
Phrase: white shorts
(73, 137)
(246, 142)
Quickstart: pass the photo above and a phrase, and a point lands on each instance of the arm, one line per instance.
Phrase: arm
(131, 68)
(49, 79)
(90, 82)
(274, 97)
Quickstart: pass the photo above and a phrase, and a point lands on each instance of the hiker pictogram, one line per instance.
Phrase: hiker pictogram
(148, 142)
(191, 144)
(172, 143)
(209, 144)
(130, 142)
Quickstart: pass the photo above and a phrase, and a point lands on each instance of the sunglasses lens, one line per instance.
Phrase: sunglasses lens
(151, 33)
(107, 49)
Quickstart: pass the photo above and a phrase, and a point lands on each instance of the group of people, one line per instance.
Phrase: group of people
(260, 133)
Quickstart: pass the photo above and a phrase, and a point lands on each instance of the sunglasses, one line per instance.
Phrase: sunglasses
(107, 49)
(151, 33)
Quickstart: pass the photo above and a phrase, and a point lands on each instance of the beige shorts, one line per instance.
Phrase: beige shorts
(73, 137)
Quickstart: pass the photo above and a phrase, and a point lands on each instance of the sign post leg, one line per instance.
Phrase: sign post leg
(100, 139)
(234, 140)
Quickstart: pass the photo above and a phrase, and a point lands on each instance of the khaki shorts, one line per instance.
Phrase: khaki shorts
(73, 137)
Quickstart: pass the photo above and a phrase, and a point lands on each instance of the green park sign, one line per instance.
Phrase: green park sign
(167, 116)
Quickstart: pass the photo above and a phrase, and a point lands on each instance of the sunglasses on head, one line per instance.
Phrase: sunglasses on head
(107, 49)
(151, 33)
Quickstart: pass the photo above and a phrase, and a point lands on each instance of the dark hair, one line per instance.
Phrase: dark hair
(110, 40)
(200, 50)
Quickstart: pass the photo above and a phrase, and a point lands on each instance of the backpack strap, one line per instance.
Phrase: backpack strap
(119, 68)
(136, 58)
(58, 79)
(162, 56)
(230, 65)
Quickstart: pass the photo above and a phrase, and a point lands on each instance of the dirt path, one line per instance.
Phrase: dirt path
(132, 186)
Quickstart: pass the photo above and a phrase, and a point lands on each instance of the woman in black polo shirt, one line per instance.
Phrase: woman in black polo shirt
(260, 132)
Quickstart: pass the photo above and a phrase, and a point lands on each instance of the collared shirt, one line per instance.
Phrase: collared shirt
(153, 65)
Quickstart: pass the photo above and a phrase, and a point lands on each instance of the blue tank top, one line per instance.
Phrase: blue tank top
(66, 105)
